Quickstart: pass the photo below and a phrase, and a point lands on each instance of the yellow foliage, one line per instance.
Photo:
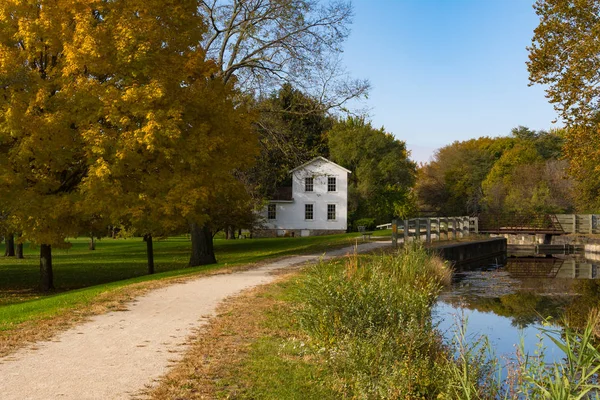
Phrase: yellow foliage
(110, 112)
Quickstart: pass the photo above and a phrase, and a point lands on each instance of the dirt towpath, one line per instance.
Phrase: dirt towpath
(115, 355)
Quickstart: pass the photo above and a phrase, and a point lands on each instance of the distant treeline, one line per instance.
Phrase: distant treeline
(525, 172)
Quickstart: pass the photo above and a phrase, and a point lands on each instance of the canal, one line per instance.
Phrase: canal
(507, 298)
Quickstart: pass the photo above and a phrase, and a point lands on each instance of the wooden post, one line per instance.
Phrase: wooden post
(454, 228)
(418, 229)
(406, 232)
(574, 223)
(439, 230)
(441, 222)
(428, 230)
(476, 224)
(591, 219)
(395, 232)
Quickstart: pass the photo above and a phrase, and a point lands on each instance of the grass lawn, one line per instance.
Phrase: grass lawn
(81, 275)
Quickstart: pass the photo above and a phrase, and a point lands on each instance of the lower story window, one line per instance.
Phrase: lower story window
(331, 212)
(309, 211)
(272, 211)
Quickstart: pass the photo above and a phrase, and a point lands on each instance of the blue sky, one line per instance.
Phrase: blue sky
(446, 70)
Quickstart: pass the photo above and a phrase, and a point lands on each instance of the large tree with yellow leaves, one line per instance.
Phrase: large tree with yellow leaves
(109, 109)
(565, 58)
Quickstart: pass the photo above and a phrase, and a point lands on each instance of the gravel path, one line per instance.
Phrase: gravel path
(115, 355)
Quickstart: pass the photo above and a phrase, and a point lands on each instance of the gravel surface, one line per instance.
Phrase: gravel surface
(115, 355)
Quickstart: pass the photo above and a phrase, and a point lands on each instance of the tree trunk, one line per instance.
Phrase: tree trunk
(19, 249)
(203, 252)
(231, 232)
(149, 253)
(10, 246)
(92, 243)
(46, 277)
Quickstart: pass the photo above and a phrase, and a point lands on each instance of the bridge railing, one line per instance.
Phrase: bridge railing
(519, 222)
(579, 223)
(431, 229)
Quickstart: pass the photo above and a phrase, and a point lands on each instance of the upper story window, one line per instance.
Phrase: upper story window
(309, 184)
(331, 184)
(309, 211)
(272, 211)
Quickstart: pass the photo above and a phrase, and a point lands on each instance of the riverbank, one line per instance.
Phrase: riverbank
(352, 328)
(349, 329)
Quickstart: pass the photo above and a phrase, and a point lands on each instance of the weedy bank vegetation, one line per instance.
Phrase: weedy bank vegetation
(361, 328)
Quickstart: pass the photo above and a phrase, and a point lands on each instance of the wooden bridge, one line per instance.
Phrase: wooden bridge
(515, 223)
(534, 267)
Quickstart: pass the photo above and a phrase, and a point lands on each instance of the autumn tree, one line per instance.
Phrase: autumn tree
(451, 184)
(565, 58)
(111, 108)
(43, 158)
(522, 173)
(382, 174)
(530, 177)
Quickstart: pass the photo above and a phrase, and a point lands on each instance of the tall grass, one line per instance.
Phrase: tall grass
(372, 319)
(361, 328)
(370, 316)
(576, 377)
(477, 374)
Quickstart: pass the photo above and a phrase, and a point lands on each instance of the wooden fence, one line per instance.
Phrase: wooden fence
(431, 229)
(579, 223)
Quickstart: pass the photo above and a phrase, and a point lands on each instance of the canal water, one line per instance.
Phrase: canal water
(508, 297)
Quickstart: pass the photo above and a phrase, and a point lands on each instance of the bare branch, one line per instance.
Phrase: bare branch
(265, 43)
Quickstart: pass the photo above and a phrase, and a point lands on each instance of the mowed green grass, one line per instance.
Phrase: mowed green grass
(80, 274)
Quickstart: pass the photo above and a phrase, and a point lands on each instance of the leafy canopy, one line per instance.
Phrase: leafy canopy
(382, 174)
(111, 108)
(565, 57)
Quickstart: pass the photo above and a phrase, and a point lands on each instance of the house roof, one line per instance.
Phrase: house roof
(321, 159)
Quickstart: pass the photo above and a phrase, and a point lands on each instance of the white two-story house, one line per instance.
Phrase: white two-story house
(317, 204)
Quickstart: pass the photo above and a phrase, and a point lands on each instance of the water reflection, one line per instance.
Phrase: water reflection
(508, 299)
(529, 289)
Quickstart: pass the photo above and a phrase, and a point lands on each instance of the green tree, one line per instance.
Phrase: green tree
(528, 178)
(291, 129)
(382, 174)
(451, 184)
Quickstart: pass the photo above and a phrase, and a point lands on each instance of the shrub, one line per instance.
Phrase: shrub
(368, 223)
(372, 316)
